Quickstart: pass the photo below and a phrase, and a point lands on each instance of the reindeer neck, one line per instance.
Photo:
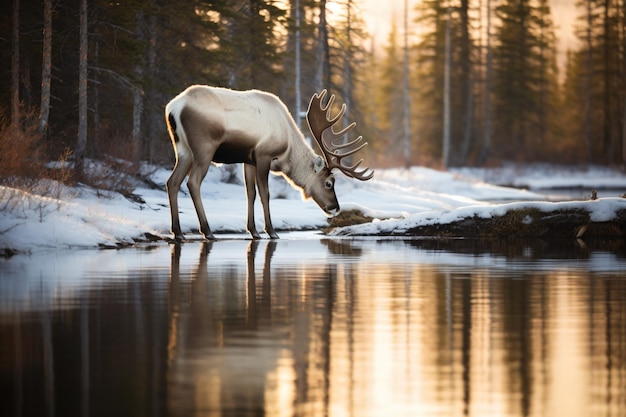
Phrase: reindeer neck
(301, 158)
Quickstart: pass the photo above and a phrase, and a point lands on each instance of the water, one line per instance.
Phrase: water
(312, 327)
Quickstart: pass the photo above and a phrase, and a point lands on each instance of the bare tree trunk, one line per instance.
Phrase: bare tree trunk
(326, 51)
(484, 153)
(469, 123)
(95, 62)
(588, 65)
(81, 142)
(46, 68)
(138, 102)
(624, 83)
(298, 75)
(607, 141)
(322, 77)
(407, 101)
(543, 82)
(624, 133)
(347, 68)
(468, 96)
(15, 67)
(347, 86)
(153, 116)
(446, 91)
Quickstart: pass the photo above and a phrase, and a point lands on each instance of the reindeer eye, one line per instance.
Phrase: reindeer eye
(329, 184)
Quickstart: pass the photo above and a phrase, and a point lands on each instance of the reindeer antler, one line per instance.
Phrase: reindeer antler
(321, 125)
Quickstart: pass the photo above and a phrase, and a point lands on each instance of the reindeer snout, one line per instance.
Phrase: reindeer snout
(332, 210)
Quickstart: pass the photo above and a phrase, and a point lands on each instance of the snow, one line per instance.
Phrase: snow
(600, 210)
(83, 217)
(544, 176)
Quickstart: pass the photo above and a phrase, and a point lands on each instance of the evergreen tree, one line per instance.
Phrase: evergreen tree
(305, 28)
(485, 148)
(252, 30)
(596, 81)
(15, 66)
(573, 145)
(466, 84)
(523, 76)
(46, 68)
(430, 15)
(548, 88)
(434, 17)
(347, 55)
(390, 98)
(81, 141)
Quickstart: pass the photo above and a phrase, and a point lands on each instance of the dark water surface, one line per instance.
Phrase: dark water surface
(307, 326)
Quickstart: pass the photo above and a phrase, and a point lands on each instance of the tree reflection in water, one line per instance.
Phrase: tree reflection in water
(317, 327)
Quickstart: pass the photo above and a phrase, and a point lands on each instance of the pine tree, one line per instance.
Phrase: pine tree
(390, 98)
(253, 44)
(466, 84)
(601, 69)
(573, 145)
(81, 141)
(346, 37)
(430, 15)
(301, 30)
(523, 75)
(15, 66)
(46, 68)
(487, 91)
(323, 73)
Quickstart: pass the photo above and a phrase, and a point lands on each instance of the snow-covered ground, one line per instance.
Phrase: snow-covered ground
(550, 177)
(85, 217)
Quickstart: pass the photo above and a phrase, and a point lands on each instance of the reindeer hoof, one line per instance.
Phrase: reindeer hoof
(254, 234)
(206, 233)
(273, 235)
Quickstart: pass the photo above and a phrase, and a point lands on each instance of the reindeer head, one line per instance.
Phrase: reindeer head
(321, 125)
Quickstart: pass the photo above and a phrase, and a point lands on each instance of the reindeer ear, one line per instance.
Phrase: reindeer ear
(319, 164)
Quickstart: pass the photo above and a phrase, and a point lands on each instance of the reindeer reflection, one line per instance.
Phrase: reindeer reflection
(212, 346)
(265, 307)
(263, 345)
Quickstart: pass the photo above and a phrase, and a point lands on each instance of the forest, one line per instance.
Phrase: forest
(457, 83)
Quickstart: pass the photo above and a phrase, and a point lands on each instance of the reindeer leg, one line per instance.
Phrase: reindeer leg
(199, 169)
(249, 175)
(181, 169)
(262, 172)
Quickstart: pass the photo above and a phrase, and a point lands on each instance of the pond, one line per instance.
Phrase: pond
(309, 326)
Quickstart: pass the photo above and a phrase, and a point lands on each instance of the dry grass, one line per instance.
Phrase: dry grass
(348, 218)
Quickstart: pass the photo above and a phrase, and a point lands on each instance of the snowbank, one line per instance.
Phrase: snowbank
(591, 212)
(546, 176)
(86, 217)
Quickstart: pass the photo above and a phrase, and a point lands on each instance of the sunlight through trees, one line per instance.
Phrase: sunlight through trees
(508, 99)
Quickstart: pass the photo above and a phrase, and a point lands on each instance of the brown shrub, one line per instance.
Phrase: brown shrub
(22, 163)
(19, 152)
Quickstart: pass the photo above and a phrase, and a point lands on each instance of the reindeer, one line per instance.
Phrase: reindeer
(211, 124)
